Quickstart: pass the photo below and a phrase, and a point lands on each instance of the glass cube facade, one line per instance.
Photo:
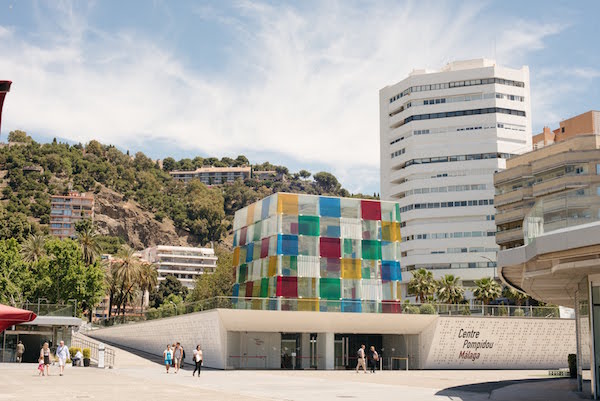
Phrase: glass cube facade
(332, 253)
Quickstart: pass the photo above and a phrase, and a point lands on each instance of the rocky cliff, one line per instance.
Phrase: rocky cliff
(126, 219)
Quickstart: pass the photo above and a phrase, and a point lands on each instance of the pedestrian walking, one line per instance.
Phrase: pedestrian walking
(41, 366)
(197, 360)
(373, 359)
(173, 359)
(178, 356)
(62, 352)
(45, 355)
(360, 356)
(168, 356)
(20, 351)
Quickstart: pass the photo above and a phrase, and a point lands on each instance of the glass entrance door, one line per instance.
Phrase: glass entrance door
(340, 348)
(9, 348)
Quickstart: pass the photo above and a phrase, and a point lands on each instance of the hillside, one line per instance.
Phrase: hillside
(136, 198)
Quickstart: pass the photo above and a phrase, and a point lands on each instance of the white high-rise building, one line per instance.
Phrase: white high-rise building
(443, 136)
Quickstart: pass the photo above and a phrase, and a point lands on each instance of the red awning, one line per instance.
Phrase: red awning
(10, 316)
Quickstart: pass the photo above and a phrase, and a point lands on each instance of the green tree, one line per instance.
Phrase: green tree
(219, 283)
(327, 182)
(449, 289)
(126, 273)
(33, 249)
(148, 280)
(422, 285)
(169, 164)
(18, 136)
(516, 296)
(15, 277)
(170, 285)
(487, 289)
(90, 245)
(304, 174)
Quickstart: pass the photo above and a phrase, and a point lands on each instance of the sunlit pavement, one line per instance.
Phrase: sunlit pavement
(136, 378)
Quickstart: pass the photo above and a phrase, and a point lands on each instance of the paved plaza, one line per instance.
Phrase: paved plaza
(136, 378)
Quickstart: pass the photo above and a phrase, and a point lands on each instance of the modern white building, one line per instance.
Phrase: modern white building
(443, 136)
(185, 263)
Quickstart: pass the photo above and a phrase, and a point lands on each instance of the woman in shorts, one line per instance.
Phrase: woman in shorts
(168, 356)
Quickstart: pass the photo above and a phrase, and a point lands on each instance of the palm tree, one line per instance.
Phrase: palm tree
(126, 272)
(90, 246)
(487, 290)
(148, 280)
(422, 285)
(33, 248)
(449, 289)
(517, 296)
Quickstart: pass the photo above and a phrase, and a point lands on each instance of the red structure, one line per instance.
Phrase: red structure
(10, 316)
(4, 89)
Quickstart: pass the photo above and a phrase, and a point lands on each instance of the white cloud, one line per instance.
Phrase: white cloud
(303, 84)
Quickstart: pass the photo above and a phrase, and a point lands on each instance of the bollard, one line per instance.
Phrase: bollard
(101, 356)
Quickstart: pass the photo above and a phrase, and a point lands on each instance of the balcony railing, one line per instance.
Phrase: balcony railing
(562, 210)
(346, 306)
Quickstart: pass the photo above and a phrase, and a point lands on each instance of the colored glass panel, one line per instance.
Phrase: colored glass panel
(272, 266)
(370, 269)
(273, 287)
(236, 237)
(236, 256)
(264, 213)
(249, 286)
(351, 305)
(307, 287)
(351, 269)
(390, 250)
(370, 229)
(256, 288)
(289, 224)
(249, 252)
(329, 207)
(250, 214)
(257, 250)
(390, 270)
(330, 227)
(351, 289)
(371, 249)
(308, 245)
(308, 266)
(308, 205)
(351, 248)
(269, 227)
(330, 288)
(308, 225)
(308, 305)
(371, 210)
(257, 231)
(351, 228)
(390, 231)
(243, 276)
(250, 233)
(264, 248)
(287, 244)
(287, 203)
(331, 267)
(243, 233)
(391, 307)
(236, 290)
(289, 266)
(287, 287)
(350, 208)
(330, 247)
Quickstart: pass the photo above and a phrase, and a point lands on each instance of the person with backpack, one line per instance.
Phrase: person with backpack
(373, 359)
(360, 356)
(177, 356)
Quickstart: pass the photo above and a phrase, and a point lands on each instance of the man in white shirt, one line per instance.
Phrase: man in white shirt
(62, 352)
(361, 359)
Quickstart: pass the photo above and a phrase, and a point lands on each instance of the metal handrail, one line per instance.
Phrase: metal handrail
(109, 354)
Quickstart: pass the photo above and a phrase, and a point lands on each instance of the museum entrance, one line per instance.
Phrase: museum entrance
(346, 348)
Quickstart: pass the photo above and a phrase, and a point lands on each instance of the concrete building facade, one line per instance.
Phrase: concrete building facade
(214, 175)
(67, 210)
(565, 160)
(185, 263)
(443, 135)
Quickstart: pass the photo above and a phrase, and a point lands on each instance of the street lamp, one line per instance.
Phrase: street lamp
(174, 306)
(492, 261)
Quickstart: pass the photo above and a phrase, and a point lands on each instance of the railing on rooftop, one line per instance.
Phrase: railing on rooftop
(566, 209)
(346, 306)
(45, 309)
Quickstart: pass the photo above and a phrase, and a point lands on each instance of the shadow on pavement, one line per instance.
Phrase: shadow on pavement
(566, 384)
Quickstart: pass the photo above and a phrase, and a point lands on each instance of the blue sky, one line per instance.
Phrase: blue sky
(295, 83)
